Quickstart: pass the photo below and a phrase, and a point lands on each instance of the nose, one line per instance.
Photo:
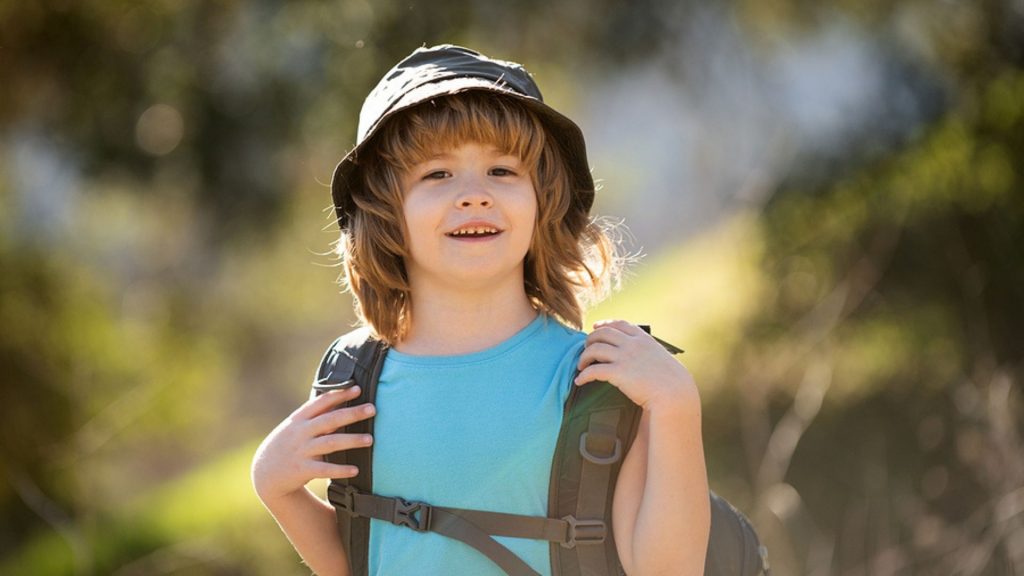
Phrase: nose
(474, 192)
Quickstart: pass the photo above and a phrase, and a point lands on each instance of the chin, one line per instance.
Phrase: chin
(485, 276)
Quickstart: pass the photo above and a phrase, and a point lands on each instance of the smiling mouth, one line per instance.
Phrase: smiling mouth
(474, 232)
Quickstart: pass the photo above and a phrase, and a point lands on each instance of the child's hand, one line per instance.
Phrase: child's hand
(292, 454)
(625, 356)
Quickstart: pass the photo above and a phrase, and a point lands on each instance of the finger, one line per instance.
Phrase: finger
(608, 335)
(326, 402)
(321, 469)
(594, 373)
(599, 352)
(338, 419)
(620, 325)
(331, 443)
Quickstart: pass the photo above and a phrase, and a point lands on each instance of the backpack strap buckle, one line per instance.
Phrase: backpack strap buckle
(583, 531)
(343, 498)
(405, 515)
(400, 512)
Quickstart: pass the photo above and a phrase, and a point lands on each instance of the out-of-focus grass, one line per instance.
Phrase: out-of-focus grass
(207, 522)
(200, 499)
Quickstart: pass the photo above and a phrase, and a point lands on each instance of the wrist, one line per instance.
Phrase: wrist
(683, 400)
(676, 416)
(278, 501)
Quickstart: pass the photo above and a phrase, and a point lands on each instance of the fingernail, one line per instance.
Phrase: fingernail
(355, 389)
(367, 439)
(368, 409)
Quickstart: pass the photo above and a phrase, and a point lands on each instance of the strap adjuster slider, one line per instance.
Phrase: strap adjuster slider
(584, 532)
(343, 498)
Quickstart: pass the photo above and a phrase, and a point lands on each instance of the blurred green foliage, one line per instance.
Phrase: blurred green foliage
(167, 289)
(905, 280)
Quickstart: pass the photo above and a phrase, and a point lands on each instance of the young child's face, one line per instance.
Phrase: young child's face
(470, 214)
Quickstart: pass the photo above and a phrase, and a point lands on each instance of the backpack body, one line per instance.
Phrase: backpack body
(598, 427)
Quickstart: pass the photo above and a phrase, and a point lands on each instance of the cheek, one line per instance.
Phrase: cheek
(529, 217)
(532, 214)
(417, 210)
(415, 225)
(530, 205)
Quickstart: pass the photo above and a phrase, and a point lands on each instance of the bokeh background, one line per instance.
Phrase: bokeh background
(828, 197)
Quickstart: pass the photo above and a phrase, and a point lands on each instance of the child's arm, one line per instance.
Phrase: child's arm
(661, 513)
(290, 457)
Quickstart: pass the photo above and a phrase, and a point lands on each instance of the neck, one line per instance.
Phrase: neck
(451, 322)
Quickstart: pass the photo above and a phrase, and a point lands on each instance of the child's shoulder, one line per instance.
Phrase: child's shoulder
(562, 343)
(551, 327)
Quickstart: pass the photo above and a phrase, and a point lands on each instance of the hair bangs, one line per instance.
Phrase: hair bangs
(434, 127)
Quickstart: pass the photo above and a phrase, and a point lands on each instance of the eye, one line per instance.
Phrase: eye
(436, 175)
(502, 172)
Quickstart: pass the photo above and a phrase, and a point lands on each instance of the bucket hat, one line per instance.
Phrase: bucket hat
(447, 69)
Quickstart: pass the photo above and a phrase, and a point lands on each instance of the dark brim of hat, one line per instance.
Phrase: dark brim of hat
(565, 133)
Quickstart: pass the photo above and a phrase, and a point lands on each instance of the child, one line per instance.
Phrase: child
(469, 249)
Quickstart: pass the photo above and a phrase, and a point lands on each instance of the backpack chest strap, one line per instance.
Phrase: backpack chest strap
(475, 528)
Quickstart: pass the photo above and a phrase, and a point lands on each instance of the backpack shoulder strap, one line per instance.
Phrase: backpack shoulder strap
(354, 358)
(342, 358)
(598, 428)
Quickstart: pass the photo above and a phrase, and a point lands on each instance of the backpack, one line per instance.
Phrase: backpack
(598, 428)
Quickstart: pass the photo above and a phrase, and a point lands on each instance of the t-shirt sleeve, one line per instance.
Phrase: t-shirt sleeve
(567, 370)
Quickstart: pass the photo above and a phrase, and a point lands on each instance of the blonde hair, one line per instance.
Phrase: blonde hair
(571, 262)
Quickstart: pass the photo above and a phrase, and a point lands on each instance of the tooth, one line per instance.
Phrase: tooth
(475, 231)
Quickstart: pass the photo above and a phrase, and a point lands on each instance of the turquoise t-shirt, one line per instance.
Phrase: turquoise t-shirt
(470, 431)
